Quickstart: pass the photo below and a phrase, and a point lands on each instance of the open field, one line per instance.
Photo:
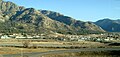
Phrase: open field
(37, 47)
(87, 54)
(49, 44)
(13, 50)
(71, 53)
(16, 48)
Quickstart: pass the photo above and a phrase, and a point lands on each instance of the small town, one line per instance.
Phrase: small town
(61, 37)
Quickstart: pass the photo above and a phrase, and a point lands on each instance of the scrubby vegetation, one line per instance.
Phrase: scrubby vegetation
(87, 54)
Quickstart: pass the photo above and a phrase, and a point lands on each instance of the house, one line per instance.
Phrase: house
(29, 37)
(107, 39)
(36, 36)
(20, 37)
(5, 37)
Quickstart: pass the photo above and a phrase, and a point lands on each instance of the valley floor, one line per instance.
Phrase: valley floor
(14, 47)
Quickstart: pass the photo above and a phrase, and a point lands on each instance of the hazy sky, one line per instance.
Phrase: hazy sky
(85, 10)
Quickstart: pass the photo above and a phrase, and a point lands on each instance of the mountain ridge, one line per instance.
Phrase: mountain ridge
(67, 20)
(109, 25)
(29, 20)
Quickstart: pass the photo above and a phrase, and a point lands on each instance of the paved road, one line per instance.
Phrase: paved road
(39, 54)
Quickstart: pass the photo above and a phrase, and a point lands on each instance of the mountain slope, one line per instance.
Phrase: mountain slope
(18, 19)
(70, 21)
(109, 25)
(27, 19)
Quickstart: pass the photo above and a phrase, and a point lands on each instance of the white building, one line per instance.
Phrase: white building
(5, 37)
(20, 37)
(29, 37)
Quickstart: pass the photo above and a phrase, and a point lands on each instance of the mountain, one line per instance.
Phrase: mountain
(18, 19)
(71, 21)
(109, 25)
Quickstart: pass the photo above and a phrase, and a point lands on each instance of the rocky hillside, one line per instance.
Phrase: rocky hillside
(71, 21)
(19, 19)
(109, 25)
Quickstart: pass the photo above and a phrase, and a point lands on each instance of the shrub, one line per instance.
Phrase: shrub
(26, 44)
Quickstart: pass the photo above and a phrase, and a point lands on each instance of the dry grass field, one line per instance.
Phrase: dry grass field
(13, 50)
(87, 54)
(70, 45)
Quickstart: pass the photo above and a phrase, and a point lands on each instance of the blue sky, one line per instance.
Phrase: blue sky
(85, 10)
